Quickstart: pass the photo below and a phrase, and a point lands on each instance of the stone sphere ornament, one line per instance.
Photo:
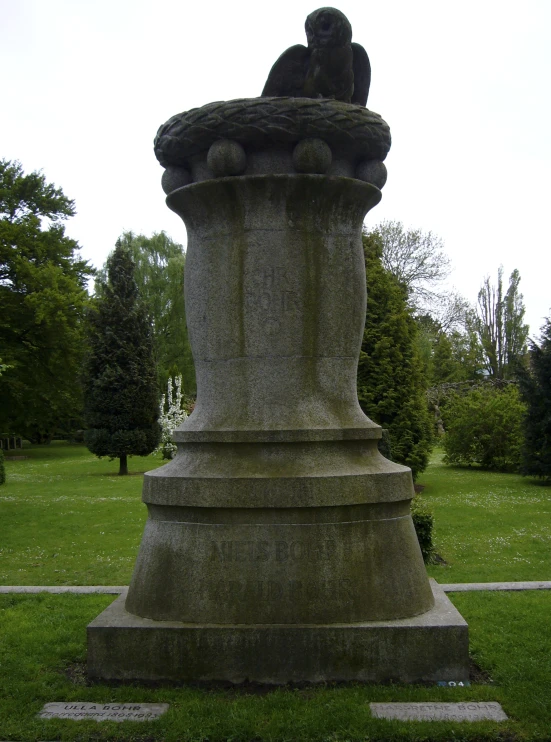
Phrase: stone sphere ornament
(312, 156)
(174, 178)
(372, 171)
(226, 158)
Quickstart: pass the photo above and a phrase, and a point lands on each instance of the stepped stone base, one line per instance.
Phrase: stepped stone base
(430, 647)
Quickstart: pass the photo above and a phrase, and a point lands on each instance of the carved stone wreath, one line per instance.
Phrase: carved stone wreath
(258, 123)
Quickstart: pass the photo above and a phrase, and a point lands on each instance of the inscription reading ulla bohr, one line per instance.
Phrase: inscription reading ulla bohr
(103, 711)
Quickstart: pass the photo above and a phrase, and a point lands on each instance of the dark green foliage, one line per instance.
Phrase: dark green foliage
(484, 426)
(121, 397)
(450, 355)
(455, 362)
(42, 303)
(2, 468)
(385, 445)
(423, 520)
(456, 357)
(159, 275)
(535, 386)
(391, 387)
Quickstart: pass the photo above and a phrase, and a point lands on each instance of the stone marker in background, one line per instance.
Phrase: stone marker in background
(466, 711)
(279, 544)
(103, 711)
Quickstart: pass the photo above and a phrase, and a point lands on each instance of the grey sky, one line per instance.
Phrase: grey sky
(465, 88)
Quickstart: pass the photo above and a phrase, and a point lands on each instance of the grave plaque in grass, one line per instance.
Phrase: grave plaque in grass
(103, 711)
(426, 711)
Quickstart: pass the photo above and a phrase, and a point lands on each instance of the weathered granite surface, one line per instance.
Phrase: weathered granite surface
(265, 136)
(425, 648)
(279, 544)
(250, 529)
(77, 711)
(427, 711)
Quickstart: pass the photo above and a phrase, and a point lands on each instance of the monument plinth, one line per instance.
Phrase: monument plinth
(279, 544)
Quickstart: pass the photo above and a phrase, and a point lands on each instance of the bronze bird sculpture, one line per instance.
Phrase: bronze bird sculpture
(331, 66)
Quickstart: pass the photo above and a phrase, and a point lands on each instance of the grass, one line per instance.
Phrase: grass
(67, 518)
(489, 527)
(43, 648)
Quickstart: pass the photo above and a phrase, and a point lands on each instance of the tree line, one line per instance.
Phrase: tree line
(488, 386)
(70, 361)
(50, 327)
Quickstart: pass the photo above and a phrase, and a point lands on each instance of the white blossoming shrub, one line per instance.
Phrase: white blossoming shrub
(171, 415)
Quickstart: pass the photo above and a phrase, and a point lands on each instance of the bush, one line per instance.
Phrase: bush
(485, 426)
(423, 520)
(2, 468)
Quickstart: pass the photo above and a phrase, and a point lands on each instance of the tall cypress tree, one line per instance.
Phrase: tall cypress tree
(535, 385)
(391, 386)
(120, 379)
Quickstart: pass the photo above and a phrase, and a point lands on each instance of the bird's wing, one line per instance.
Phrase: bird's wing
(288, 73)
(362, 74)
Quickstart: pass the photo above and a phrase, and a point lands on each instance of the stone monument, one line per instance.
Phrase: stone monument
(279, 544)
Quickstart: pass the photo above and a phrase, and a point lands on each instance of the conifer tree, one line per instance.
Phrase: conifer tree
(535, 385)
(159, 274)
(121, 398)
(391, 387)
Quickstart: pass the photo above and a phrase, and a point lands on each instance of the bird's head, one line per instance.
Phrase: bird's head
(328, 27)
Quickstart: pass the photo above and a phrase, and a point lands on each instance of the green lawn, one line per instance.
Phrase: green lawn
(42, 649)
(489, 527)
(67, 518)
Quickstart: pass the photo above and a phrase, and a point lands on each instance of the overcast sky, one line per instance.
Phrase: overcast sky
(465, 87)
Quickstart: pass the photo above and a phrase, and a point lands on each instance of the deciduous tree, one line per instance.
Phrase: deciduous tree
(500, 326)
(485, 426)
(417, 260)
(42, 302)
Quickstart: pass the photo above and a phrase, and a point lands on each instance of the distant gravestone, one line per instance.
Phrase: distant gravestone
(103, 711)
(468, 711)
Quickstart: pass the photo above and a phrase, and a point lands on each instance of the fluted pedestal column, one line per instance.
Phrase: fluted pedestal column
(279, 544)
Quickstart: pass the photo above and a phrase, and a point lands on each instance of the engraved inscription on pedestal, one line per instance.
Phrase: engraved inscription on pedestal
(272, 296)
(103, 711)
(467, 711)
